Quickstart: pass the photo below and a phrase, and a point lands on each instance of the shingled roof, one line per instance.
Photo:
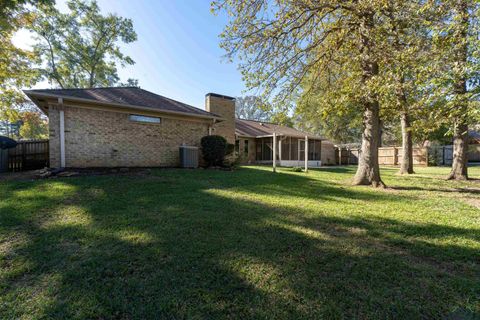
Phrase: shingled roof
(123, 96)
(257, 129)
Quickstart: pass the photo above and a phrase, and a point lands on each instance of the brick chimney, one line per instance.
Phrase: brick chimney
(223, 106)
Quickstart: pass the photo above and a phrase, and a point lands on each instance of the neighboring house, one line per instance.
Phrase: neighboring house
(132, 127)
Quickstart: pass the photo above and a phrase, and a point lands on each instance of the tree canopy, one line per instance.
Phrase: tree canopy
(80, 48)
(379, 62)
(252, 108)
(283, 45)
(16, 65)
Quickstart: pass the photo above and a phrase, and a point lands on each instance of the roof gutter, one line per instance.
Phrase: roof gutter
(35, 95)
(283, 135)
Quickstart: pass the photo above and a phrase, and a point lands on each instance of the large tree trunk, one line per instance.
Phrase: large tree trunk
(460, 137)
(406, 167)
(368, 171)
(460, 160)
(380, 133)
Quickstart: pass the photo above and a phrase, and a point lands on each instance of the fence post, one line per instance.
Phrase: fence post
(339, 156)
(443, 155)
(24, 155)
(395, 156)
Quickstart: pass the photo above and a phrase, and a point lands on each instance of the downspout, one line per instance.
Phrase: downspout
(62, 133)
(210, 127)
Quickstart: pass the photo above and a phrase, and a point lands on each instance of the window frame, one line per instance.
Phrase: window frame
(137, 118)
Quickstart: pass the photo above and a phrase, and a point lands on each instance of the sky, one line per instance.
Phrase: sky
(177, 53)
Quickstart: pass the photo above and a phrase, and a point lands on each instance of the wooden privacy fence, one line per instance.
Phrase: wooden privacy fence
(386, 156)
(28, 155)
(346, 156)
(437, 155)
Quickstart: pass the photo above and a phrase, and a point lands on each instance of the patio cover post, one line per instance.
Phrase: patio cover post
(280, 151)
(274, 151)
(306, 153)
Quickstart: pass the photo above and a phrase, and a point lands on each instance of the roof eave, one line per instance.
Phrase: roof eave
(281, 135)
(240, 135)
(34, 97)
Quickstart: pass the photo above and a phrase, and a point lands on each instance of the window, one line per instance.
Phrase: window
(245, 147)
(139, 118)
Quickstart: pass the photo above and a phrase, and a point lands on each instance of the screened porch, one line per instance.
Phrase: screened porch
(290, 151)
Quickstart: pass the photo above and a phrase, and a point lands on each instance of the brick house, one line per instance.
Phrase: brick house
(132, 127)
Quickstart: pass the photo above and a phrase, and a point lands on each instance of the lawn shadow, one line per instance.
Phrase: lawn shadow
(446, 190)
(190, 244)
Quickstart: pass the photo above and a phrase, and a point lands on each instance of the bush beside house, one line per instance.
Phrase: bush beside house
(214, 150)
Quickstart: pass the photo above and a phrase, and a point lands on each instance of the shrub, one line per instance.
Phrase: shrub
(297, 169)
(230, 149)
(214, 149)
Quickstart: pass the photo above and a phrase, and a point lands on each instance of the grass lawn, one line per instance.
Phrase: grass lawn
(205, 244)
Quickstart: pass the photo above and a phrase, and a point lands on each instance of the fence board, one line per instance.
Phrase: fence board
(29, 155)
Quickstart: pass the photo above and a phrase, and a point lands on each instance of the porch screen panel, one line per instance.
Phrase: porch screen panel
(259, 145)
(286, 149)
(294, 149)
(267, 153)
(301, 150)
(314, 149)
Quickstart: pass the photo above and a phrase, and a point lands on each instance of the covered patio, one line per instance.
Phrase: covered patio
(288, 146)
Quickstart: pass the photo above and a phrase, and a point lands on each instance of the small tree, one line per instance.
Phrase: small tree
(214, 149)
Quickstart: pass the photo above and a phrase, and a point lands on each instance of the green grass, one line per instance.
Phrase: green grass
(205, 244)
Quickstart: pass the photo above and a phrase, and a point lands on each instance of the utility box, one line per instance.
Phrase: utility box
(189, 157)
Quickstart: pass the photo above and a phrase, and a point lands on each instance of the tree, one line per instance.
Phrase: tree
(34, 125)
(10, 10)
(81, 47)
(24, 121)
(322, 112)
(16, 65)
(338, 129)
(252, 108)
(457, 72)
(130, 83)
(281, 43)
(16, 71)
(402, 70)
